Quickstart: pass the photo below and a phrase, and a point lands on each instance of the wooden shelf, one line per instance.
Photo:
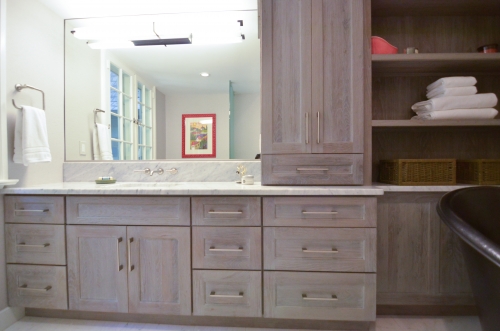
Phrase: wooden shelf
(433, 123)
(434, 7)
(435, 63)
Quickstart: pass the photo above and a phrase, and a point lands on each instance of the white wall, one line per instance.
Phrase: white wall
(161, 121)
(178, 104)
(246, 125)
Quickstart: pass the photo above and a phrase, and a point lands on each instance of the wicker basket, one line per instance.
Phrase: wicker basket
(418, 171)
(480, 172)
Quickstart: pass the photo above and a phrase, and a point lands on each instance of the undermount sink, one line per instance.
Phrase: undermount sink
(146, 184)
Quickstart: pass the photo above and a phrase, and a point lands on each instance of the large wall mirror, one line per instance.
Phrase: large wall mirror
(139, 76)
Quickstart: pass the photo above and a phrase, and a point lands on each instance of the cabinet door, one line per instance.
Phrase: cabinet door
(159, 270)
(286, 76)
(337, 76)
(97, 275)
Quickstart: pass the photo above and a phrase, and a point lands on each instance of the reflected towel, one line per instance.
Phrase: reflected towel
(452, 82)
(483, 100)
(451, 91)
(31, 142)
(457, 114)
(101, 143)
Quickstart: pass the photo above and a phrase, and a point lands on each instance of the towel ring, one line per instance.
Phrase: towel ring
(20, 87)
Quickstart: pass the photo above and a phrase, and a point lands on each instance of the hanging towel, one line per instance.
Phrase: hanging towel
(451, 91)
(457, 114)
(452, 82)
(483, 100)
(31, 142)
(101, 143)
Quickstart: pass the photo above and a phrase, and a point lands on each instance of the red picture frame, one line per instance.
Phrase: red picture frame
(199, 136)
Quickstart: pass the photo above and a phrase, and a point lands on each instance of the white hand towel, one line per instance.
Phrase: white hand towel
(31, 142)
(451, 91)
(457, 114)
(452, 82)
(95, 145)
(104, 140)
(483, 100)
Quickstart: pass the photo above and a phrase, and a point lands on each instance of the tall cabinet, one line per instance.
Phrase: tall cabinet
(313, 91)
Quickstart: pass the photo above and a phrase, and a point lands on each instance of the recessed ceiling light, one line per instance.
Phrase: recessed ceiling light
(205, 74)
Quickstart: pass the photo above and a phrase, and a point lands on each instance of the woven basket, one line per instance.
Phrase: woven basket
(418, 171)
(480, 172)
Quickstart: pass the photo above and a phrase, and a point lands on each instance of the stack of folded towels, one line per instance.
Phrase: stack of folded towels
(455, 98)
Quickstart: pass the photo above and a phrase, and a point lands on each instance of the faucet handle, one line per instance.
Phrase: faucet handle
(147, 171)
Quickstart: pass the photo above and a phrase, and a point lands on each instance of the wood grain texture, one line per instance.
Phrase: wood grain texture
(342, 169)
(284, 249)
(417, 263)
(286, 76)
(367, 65)
(39, 235)
(36, 279)
(95, 282)
(34, 209)
(216, 211)
(128, 210)
(289, 211)
(283, 295)
(434, 7)
(245, 241)
(338, 80)
(160, 282)
(244, 289)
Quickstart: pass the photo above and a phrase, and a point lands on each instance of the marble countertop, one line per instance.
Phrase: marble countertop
(190, 188)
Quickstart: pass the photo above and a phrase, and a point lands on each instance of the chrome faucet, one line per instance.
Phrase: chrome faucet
(159, 171)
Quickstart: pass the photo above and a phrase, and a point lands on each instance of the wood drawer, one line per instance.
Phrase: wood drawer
(320, 212)
(227, 248)
(227, 293)
(312, 169)
(128, 210)
(226, 211)
(35, 244)
(34, 209)
(328, 296)
(37, 286)
(320, 249)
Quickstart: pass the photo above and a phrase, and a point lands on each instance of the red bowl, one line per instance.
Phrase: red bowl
(381, 46)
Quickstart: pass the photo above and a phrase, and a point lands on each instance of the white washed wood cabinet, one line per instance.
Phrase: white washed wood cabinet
(313, 91)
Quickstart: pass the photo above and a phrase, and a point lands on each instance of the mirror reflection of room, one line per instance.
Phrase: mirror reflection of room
(130, 81)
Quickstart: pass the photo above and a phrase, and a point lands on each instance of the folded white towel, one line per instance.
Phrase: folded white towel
(457, 114)
(452, 82)
(102, 143)
(483, 100)
(451, 91)
(31, 142)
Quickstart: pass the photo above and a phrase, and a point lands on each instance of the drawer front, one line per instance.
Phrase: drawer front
(35, 244)
(226, 211)
(128, 210)
(319, 249)
(34, 209)
(37, 286)
(320, 212)
(227, 248)
(227, 293)
(312, 169)
(329, 296)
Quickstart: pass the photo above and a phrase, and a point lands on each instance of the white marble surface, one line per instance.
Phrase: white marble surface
(188, 171)
(190, 188)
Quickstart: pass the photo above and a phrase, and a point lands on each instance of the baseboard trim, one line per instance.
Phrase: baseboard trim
(9, 316)
(427, 310)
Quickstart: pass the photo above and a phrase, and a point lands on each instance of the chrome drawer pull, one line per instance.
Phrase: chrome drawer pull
(333, 298)
(312, 169)
(213, 249)
(333, 251)
(307, 128)
(226, 212)
(118, 241)
(319, 212)
(25, 287)
(33, 210)
(130, 266)
(39, 246)
(318, 126)
(213, 295)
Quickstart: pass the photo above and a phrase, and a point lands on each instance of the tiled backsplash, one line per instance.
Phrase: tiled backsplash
(188, 171)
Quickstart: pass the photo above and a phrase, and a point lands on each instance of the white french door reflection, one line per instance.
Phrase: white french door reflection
(144, 123)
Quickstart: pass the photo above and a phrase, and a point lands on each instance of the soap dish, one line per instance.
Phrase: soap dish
(108, 181)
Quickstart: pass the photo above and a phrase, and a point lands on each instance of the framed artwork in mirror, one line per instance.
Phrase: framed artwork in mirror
(198, 136)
